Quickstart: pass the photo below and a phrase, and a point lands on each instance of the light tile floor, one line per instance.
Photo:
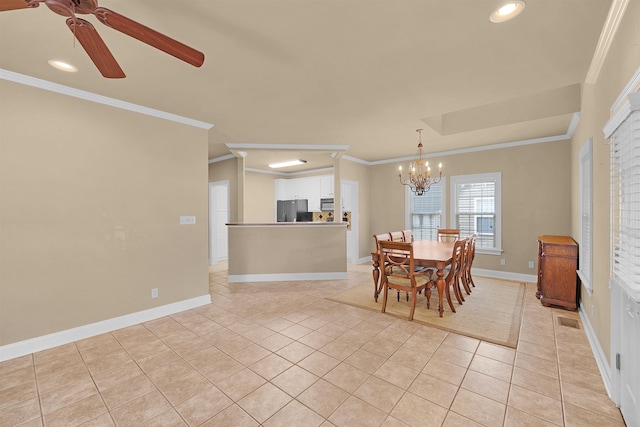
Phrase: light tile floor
(280, 354)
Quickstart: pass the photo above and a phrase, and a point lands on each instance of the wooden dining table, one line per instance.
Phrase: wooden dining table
(426, 253)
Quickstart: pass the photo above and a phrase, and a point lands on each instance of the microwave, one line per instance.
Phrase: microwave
(326, 204)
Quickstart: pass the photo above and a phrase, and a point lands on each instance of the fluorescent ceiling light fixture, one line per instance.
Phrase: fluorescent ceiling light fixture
(507, 11)
(61, 65)
(285, 164)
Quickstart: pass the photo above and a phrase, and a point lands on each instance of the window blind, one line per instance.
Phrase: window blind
(476, 208)
(426, 212)
(586, 169)
(625, 205)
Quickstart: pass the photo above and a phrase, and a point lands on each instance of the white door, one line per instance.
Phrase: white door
(626, 349)
(349, 194)
(218, 218)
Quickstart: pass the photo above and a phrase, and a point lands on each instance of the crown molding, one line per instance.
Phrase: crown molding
(631, 105)
(632, 86)
(575, 119)
(99, 99)
(301, 147)
(616, 12)
(573, 124)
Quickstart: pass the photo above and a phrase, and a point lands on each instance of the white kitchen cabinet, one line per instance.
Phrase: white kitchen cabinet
(312, 188)
(326, 186)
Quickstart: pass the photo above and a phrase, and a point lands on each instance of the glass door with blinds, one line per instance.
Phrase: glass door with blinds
(624, 133)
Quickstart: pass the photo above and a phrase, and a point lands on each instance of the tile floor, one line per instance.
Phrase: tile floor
(280, 354)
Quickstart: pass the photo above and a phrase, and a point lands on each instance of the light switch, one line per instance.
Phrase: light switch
(187, 219)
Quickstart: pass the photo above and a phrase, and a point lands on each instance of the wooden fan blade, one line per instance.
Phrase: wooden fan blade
(95, 48)
(149, 36)
(16, 4)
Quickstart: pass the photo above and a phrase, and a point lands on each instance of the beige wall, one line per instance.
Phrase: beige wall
(536, 198)
(622, 61)
(361, 174)
(287, 248)
(90, 203)
(536, 192)
(259, 202)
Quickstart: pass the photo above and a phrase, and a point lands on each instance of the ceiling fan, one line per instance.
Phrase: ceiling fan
(93, 43)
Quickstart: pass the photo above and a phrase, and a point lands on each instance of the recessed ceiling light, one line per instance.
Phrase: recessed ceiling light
(285, 164)
(507, 11)
(61, 65)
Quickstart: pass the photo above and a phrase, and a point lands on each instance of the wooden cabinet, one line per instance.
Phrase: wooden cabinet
(557, 277)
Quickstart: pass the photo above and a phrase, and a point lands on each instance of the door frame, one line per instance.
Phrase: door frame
(213, 234)
(352, 257)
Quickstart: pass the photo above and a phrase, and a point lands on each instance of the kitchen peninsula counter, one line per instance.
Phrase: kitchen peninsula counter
(286, 251)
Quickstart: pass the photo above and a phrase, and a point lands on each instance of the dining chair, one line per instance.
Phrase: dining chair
(447, 234)
(400, 272)
(397, 236)
(383, 237)
(471, 254)
(407, 235)
(451, 274)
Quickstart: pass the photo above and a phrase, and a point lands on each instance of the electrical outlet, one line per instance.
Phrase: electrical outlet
(503, 261)
(187, 219)
(154, 293)
(530, 264)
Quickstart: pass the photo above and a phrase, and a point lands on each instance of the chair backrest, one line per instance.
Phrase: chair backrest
(407, 235)
(471, 250)
(456, 260)
(398, 258)
(397, 236)
(384, 237)
(447, 234)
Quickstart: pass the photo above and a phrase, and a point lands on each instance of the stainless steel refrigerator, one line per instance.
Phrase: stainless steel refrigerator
(288, 209)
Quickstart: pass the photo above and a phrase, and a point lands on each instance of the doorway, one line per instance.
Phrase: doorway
(218, 218)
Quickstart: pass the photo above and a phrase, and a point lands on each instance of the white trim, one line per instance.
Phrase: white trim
(222, 158)
(585, 171)
(631, 87)
(32, 345)
(286, 224)
(364, 260)
(99, 99)
(495, 177)
(284, 277)
(507, 275)
(575, 119)
(305, 172)
(303, 147)
(631, 103)
(616, 12)
(598, 353)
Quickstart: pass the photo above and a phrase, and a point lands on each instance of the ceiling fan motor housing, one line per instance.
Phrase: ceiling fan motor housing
(70, 7)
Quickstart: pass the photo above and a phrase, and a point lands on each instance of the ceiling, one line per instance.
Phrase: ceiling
(357, 76)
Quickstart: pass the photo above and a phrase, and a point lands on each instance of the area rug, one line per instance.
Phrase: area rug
(492, 312)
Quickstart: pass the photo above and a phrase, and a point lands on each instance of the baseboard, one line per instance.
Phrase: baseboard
(601, 359)
(285, 277)
(489, 273)
(531, 278)
(33, 345)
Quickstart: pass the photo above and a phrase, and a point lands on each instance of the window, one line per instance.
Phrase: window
(585, 171)
(476, 208)
(625, 205)
(425, 214)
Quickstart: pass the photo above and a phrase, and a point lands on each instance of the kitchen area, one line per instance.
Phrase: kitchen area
(297, 210)
(309, 238)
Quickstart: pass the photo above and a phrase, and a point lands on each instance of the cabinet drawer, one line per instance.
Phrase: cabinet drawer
(559, 250)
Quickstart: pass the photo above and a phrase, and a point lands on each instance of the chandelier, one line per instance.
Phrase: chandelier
(419, 179)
